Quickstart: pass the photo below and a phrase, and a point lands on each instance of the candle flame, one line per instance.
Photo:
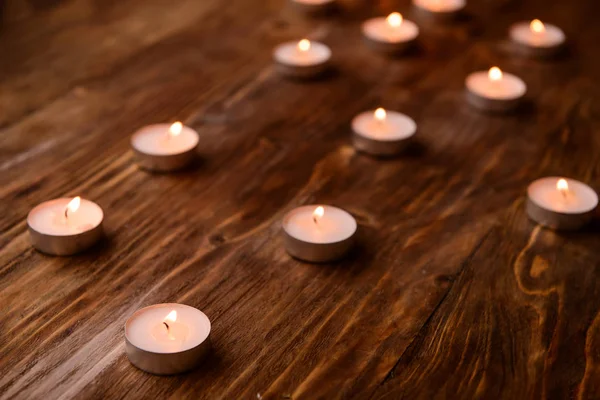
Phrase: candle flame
(394, 19)
(172, 316)
(318, 214)
(73, 205)
(380, 114)
(304, 45)
(495, 74)
(562, 185)
(537, 26)
(175, 129)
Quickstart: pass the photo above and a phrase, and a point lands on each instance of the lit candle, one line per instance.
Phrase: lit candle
(381, 132)
(494, 90)
(303, 59)
(164, 147)
(390, 35)
(561, 203)
(314, 7)
(65, 226)
(166, 339)
(318, 233)
(537, 39)
(440, 9)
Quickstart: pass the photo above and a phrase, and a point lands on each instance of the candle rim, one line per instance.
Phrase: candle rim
(573, 183)
(311, 208)
(66, 200)
(140, 311)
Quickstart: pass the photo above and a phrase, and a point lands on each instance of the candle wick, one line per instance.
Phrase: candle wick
(66, 213)
(315, 220)
(564, 193)
(167, 325)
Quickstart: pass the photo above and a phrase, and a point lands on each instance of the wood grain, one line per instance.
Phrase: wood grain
(452, 291)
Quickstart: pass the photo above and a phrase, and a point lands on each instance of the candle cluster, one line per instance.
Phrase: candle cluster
(171, 338)
(553, 202)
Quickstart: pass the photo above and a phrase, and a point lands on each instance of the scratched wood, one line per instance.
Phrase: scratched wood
(451, 292)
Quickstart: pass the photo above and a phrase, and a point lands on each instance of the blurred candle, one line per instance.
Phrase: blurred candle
(494, 90)
(381, 132)
(313, 7)
(537, 39)
(440, 9)
(390, 35)
(303, 59)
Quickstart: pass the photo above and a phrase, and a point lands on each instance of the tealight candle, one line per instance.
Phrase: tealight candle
(313, 7)
(303, 59)
(537, 39)
(166, 339)
(440, 9)
(163, 147)
(318, 233)
(65, 226)
(390, 35)
(381, 132)
(561, 203)
(494, 90)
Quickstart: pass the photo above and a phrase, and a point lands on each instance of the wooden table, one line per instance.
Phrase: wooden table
(452, 291)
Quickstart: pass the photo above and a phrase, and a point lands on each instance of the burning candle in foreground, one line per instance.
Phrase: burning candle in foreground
(166, 339)
(65, 226)
(495, 90)
(390, 35)
(561, 203)
(164, 147)
(318, 233)
(537, 39)
(302, 59)
(382, 132)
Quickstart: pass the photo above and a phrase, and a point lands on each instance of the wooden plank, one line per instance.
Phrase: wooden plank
(57, 50)
(209, 236)
(523, 326)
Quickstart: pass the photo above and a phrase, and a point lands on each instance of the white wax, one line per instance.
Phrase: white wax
(395, 126)
(552, 36)
(334, 226)
(380, 30)
(289, 54)
(313, 2)
(156, 140)
(145, 328)
(49, 217)
(444, 6)
(579, 198)
(509, 87)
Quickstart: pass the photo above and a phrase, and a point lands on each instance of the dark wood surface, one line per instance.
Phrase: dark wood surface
(452, 292)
